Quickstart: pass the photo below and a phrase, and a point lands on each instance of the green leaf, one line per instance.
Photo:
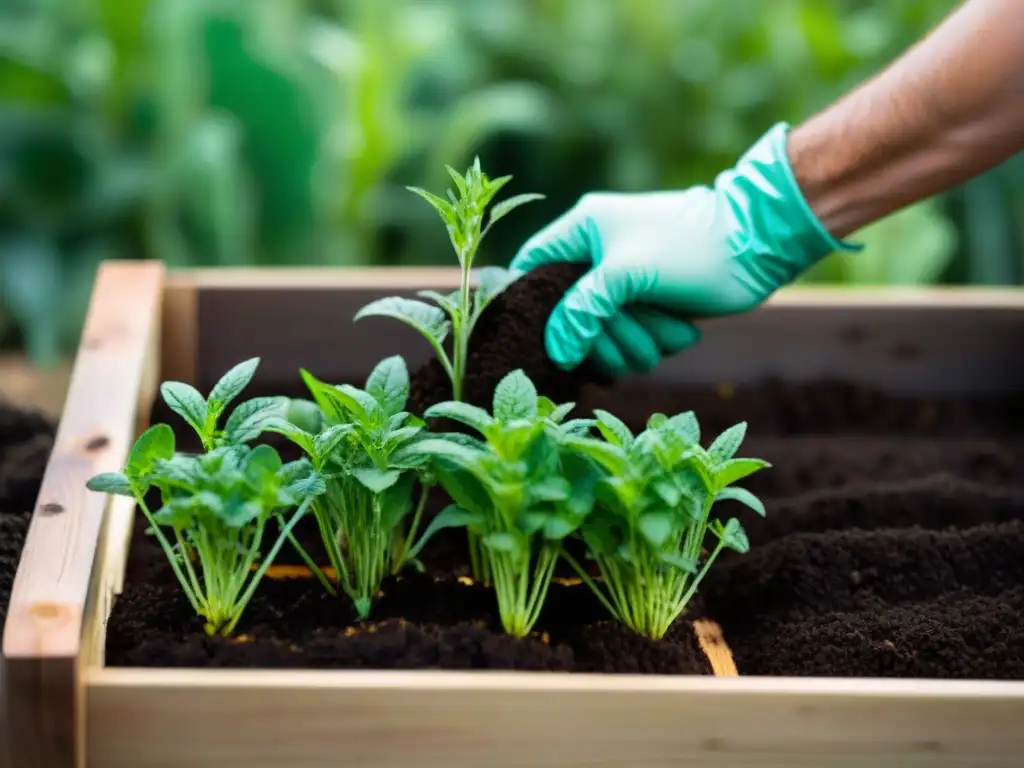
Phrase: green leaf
(430, 321)
(656, 421)
(611, 457)
(578, 427)
(550, 489)
(295, 434)
(678, 560)
(449, 302)
(667, 491)
(501, 541)
(736, 469)
(326, 395)
(325, 443)
(154, 444)
(304, 486)
(377, 480)
(304, 414)
(470, 415)
(683, 426)
(601, 533)
(506, 206)
(451, 516)
(388, 384)
(515, 397)
(656, 527)
(563, 410)
(250, 418)
(442, 206)
(238, 513)
(262, 461)
(557, 528)
(743, 496)
(613, 428)
(734, 537)
(185, 400)
(116, 483)
(360, 403)
(726, 444)
(231, 384)
(490, 282)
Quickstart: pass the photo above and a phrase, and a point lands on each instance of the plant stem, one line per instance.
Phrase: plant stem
(169, 551)
(403, 551)
(310, 563)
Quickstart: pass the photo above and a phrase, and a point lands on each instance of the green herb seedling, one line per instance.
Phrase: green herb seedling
(457, 312)
(217, 505)
(515, 489)
(247, 420)
(369, 486)
(654, 506)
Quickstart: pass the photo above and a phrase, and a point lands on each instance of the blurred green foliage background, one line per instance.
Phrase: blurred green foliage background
(235, 132)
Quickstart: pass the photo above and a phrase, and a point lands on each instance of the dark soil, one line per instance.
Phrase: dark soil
(26, 439)
(893, 547)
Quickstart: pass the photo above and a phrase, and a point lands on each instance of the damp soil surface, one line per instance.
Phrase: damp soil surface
(26, 439)
(893, 546)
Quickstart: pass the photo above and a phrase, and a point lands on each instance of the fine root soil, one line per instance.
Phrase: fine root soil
(893, 546)
(26, 440)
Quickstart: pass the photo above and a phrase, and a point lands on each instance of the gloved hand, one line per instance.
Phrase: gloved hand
(662, 259)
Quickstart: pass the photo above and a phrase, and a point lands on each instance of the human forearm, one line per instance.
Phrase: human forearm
(950, 108)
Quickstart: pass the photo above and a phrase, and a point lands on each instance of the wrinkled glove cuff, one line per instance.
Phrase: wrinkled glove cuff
(763, 190)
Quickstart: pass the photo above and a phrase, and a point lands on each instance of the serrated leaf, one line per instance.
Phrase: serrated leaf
(734, 537)
(470, 415)
(156, 443)
(186, 401)
(726, 444)
(515, 397)
(116, 483)
(442, 206)
(743, 496)
(656, 527)
(250, 418)
(613, 429)
(430, 321)
(509, 204)
(388, 384)
(737, 469)
(231, 384)
(377, 480)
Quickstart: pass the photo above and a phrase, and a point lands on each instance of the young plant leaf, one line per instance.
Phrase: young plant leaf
(377, 480)
(656, 527)
(613, 429)
(451, 516)
(154, 444)
(506, 206)
(502, 541)
(448, 302)
(490, 282)
(678, 560)
(388, 384)
(737, 469)
(429, 321)
(442, 206)
(295, 434)
(231, 384)
(250, 418)
(734, 537)
(515, 398)
(726, 444)
(304, 414)
(116, 483)
(185, 400)
(328, 440)
(743, 496)
(470, 415)
(684, 427)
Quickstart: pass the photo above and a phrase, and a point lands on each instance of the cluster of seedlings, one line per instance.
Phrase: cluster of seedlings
(522, 480)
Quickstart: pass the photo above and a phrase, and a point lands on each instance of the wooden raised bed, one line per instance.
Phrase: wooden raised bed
(66, 708)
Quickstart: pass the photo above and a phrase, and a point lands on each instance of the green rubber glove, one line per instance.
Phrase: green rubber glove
(661, 259)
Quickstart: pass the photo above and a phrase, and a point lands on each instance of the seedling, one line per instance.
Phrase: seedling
(457, 313)
(648, 527)
(203, 414)
(217, 505)
(515, 489)
(369, 487)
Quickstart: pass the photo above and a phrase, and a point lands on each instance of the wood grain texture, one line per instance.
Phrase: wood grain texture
(468, 720)
(903, 340)
(113, 373)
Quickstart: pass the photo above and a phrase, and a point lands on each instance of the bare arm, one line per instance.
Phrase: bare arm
(947, 110)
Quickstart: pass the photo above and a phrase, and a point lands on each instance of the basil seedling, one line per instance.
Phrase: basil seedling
(370, 487)
(457, 312)
(217, 505)
(515, 488)
(653, 512)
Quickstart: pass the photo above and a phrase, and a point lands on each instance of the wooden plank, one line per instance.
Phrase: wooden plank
(180, 328)
(465, 719)
(916, 340)
(43, 637)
